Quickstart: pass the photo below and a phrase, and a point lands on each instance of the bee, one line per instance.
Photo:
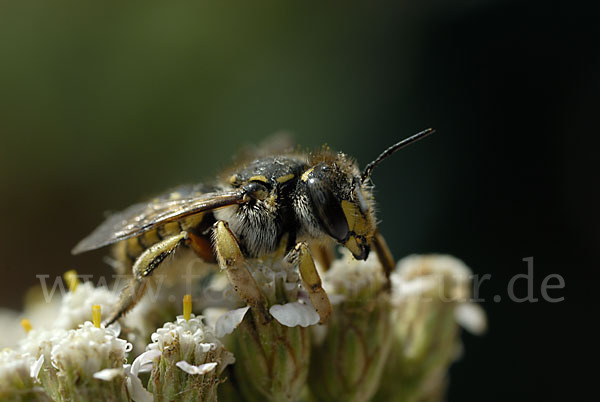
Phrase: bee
(292, 200)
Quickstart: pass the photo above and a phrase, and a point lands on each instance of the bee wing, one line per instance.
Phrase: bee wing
(142, 217)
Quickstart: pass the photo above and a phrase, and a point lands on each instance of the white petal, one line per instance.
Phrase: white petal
(115, 328)
(294, 314)
(194, 370)
(34, 370)
(229, 321)
(207, 347)
(144, 360)
(108, 374)
(135, 388)
(471, 317)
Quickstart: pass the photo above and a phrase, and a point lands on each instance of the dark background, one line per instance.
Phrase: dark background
(101, 107)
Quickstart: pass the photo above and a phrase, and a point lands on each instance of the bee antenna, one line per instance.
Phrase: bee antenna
(388, 152)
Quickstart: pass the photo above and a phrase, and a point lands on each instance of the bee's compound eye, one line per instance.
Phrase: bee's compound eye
(328, 209)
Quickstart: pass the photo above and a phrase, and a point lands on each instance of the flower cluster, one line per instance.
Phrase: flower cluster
(387, 338)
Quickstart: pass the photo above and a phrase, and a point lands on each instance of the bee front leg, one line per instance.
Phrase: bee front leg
(232, 261)
(143, 267)
(384, 255)
(311, 280)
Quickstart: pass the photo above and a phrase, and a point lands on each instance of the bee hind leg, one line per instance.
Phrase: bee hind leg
(311, 280)
(143, 267)
(232, 261)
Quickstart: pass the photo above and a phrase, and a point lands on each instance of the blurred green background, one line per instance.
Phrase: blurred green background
(102, 106)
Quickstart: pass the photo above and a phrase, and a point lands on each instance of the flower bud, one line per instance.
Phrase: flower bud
(428, 292)
(272, 353)
(348, 360)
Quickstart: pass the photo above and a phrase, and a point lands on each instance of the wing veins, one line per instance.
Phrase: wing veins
(140, 218)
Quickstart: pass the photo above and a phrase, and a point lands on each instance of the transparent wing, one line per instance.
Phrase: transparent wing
(139, 218)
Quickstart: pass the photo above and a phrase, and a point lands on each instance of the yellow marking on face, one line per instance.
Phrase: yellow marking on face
(259, 178)
(357, 222)
(304, 176)
(233, 179)
(175, 195)
(285, 178)
(352, 245)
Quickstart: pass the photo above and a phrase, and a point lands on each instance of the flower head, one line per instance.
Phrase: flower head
(82, 353)
(429, 293)
(189, 361)
(18, 377)
(349, 355)
(75, 305)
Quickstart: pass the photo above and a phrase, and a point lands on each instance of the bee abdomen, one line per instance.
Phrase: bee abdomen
(128, 251)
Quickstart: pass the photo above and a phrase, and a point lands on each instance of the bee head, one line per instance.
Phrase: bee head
(341, 201)
(341, 205)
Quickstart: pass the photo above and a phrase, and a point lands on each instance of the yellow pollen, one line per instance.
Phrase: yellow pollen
(96, 315)
(71, 279)
(26, 324)
(187, 307)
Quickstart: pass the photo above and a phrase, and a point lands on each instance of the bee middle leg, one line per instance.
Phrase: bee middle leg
(232, 261)
(311, 280)
(143, 267)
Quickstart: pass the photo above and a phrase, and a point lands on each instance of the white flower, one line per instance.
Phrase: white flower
(440, 278)
(15, 365)
(191, 337)
(351, 279)
(18, 376)
(191, 347)
(422, 274)
(274, 276)
(75, 306)
(89, 350)
(142, 363)
(39, 342)
(430, 296)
